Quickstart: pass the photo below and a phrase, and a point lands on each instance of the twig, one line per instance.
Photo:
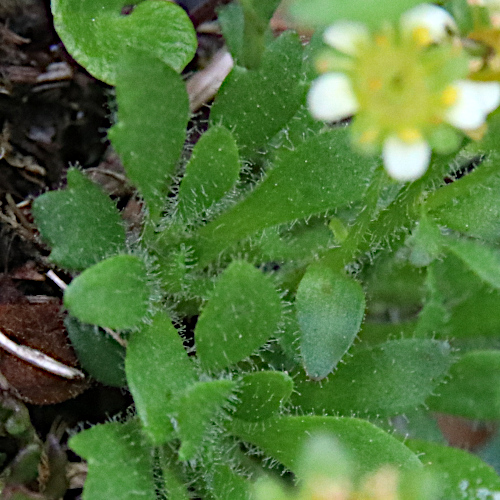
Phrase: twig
(58, 281)
(203, 86)
(39, 359)
(116, 336)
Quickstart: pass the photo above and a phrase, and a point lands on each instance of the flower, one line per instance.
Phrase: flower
(406, 85)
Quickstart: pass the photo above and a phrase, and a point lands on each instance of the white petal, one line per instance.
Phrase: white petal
(331, 97)
(475, 100)
(346, 36)
(488, 95)
(435, 19)
(405, 161)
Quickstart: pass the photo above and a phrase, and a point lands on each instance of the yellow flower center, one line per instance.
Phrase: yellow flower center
(382, 41)
(403, 84)
(410, 135)
(375, 84)
(390, 81)
(369, 136)
(449, 95)
(422, 36)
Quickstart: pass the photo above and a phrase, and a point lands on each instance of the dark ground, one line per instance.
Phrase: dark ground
(53, 114)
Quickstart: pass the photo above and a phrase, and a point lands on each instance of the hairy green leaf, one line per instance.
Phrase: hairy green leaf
(256, 104)
(484, 261)
(383, 380)
(462, 476)
(300, 242)
(98, 353)
(96, 33)
(321, 173)
(263, 9)
(330, 307)
(232, 22)
(257, 15)
(473, 389)
(114, 293)
(261, 394)
(434, 316)
(81, 223)
(119, 462)
(284, 439)
(425, 242)
(473, 306)
(153, 112)
(241, 315)
(173, 485)
(196, 409)
(211, 172)
(225, 483)
(157, 368)
(470, 204)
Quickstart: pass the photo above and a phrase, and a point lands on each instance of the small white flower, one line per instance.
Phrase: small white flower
(346, 36)
(405, 161)
(429, 23)
(402, 83)
(331, 97)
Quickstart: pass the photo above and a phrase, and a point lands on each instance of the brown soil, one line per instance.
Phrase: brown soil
(53, 114)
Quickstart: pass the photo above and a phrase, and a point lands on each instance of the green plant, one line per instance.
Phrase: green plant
(329, 297)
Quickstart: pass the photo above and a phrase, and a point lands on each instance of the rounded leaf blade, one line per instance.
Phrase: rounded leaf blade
(96, 33)
(157, 368)
(114, 293)
(212, 171)
(153, 112)
(81, 223)
(284, 439)
(242, 314)
(261, 394)
(120, 462)
(330, 308)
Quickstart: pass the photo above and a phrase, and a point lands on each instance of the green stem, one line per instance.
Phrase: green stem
(149, 234)
(253, 36)
(173, 482)
(374, 229)
(337, 258)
